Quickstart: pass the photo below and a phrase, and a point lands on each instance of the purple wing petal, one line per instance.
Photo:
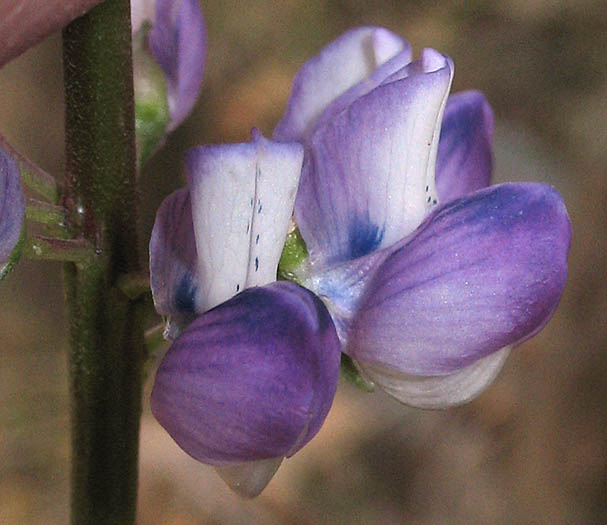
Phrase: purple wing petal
(252, 379)
(12, 211)
(339, 66)
(178, 41)
(368, 175)
(173, 258)
(464, 162)
(484, 272)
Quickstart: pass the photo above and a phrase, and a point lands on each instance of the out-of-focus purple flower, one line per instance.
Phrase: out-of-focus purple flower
(169, 50)
(427, 298)
(24, 23)
(254, 367)
(12, 212)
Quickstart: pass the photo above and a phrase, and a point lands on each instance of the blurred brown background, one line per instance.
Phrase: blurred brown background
(532, 449)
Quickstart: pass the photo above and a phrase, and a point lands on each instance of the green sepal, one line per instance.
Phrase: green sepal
(151, 101)
(294, 254)
(15, 255)
(351, 373)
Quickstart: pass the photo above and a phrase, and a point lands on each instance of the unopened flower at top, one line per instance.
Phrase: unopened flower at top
(428, 297)
(173, 31)
(252, 373)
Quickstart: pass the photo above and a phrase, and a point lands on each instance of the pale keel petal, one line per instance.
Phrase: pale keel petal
(249, 479)
(433, 392)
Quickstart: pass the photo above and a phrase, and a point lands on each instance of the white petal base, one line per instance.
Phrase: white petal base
(249, 479)
(437, 391)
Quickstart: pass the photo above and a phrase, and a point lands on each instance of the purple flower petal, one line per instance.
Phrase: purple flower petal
(173, 259)
(464, 162)
(252, 379)
(483, 272)
(12, 211)
(178, 42)
(242, 196)
(368, 176)
(340, 65)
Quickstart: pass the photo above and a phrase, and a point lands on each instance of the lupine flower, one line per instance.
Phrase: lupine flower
(12, 212)
(427, 298)
(170, 34)
(252, 373)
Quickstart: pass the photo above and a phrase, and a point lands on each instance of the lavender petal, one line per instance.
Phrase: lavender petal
(173, 260)
(483, 272)
(464, 161)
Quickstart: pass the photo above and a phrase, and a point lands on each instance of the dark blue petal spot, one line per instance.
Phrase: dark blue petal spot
(185, 294)
(256, 263)
(364, 237)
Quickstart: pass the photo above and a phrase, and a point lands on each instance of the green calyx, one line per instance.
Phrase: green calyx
(294, 254)
(294, 257)
(352, 375)
(151, 101)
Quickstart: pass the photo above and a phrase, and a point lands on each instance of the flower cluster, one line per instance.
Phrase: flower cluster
(408, 261)
(416, 268)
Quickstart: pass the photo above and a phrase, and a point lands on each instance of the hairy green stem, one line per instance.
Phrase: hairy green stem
(106, 326)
